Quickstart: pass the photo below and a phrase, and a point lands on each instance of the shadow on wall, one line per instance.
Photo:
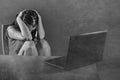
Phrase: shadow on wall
(62, 18)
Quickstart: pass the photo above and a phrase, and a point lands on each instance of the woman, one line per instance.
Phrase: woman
(26, 35)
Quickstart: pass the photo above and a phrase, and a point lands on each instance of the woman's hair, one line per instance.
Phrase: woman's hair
(30, 17)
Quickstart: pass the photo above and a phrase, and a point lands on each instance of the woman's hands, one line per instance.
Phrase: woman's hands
(23, 27)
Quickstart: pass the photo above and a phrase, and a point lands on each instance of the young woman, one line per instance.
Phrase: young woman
(26, 35)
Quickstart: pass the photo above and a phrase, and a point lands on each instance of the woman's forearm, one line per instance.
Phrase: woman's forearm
(40, 29)
(21, 26)
(24, 31)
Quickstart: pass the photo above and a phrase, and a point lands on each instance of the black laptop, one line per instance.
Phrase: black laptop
(83, 50)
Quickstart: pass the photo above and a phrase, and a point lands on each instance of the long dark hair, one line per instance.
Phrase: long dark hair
(29, 16)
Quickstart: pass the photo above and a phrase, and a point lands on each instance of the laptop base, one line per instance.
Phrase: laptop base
(57, 62)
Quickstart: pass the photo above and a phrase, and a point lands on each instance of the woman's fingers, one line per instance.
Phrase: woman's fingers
(36, 12)
(23, 10)
(20, 14)
(38, 15)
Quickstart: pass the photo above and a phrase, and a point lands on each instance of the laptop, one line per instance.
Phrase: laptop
(83, 50)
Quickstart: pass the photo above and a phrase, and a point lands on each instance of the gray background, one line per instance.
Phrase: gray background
(62, 18)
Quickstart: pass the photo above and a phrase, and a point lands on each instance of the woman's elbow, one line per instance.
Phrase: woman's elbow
(15, 36)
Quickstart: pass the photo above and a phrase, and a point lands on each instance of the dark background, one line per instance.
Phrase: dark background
(62, 18)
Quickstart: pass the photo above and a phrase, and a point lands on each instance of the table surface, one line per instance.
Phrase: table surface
(35, 68)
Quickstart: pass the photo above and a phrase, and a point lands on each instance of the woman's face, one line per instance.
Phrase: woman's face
(30, 22)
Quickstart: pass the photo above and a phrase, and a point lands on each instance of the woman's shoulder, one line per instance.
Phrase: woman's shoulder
(13, 27)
